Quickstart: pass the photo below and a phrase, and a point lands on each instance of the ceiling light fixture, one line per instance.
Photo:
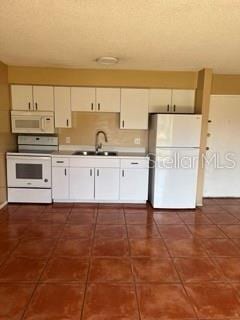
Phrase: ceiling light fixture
(107, 60)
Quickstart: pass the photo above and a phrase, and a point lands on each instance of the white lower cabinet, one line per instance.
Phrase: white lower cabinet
(134, 180)
(60, 183)
(107, 184)
(100, 179)
(81, 183)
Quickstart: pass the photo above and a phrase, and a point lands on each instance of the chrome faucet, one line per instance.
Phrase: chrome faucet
(97, 144)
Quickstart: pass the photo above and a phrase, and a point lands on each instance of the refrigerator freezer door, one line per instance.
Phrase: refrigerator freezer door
(174, 183)
(178, 130)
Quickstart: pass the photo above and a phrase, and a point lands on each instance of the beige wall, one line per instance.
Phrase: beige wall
(7, 140)
(225, 84)
(111, 78)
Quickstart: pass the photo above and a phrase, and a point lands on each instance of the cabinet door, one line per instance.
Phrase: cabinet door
(108, 99)
(134, 184)
(43, 98)
(60, 183)
(160, 100)
(83, 99)
(107, 184)
(22, 97)
(63, 118)
(81, 183)
(183, 101)
(134, 109)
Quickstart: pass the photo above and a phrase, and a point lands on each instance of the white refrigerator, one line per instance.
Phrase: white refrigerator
(174, 141)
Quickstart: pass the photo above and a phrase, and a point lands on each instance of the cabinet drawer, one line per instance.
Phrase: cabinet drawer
(89, 162)
(60, 162)
(134, 163)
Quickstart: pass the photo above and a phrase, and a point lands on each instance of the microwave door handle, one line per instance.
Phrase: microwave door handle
(43, 124)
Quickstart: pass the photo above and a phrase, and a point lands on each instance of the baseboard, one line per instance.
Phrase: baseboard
(3, 204)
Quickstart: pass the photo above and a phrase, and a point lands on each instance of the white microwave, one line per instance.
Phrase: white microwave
(32, 122)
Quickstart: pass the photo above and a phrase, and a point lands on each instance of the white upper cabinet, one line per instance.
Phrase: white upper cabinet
(62, 99)
(160, 100)
(95, 99)
(22, 97)
(134, 109)
(108, 99)
(83, 99)
(43, 99)
(32, 98)
(171, 101)
(183, 101)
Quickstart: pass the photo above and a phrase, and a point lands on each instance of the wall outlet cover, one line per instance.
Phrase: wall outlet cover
(68, 140)
(137, 141)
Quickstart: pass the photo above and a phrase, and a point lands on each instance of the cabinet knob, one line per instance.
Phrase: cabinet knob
(207, 148)
(209, 121)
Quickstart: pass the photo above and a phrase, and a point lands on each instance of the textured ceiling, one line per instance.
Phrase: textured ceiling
(144, 34)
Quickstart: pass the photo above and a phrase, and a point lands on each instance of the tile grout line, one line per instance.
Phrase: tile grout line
(89, 263)
(130, 256)
(41, 273)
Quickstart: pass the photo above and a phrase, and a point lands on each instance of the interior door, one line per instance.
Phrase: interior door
(222, 176)
(106, 184)
(81, 183)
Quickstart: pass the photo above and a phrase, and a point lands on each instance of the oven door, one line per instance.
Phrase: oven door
(29, 172)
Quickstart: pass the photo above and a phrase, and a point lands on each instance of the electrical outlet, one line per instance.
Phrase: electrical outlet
(137, 141)
(68, 139)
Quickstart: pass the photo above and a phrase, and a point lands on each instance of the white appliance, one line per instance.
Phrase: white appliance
(32, 122)
(174, 142)
(29, 174)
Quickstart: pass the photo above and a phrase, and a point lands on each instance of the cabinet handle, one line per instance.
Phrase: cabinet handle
(60, 161)
(168, 108)
(67, 122)
(29, 105)
(123, 123)
(123, 173)
(65, 171)
(90, 172)
(98, 106)
(97, 172)
(134, 162)
(36, 105)
(209, 121)
(174, 108)
(91, 106)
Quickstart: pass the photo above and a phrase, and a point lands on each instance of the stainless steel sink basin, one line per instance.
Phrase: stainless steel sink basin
(94, 153)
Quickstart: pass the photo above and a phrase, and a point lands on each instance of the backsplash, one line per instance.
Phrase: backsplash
(86, 124)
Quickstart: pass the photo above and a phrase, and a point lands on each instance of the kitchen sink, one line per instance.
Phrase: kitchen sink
(94, 153)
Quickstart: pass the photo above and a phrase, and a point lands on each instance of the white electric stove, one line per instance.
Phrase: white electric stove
(29, 175)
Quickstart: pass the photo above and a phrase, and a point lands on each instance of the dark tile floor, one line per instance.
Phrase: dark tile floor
(123, 262)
